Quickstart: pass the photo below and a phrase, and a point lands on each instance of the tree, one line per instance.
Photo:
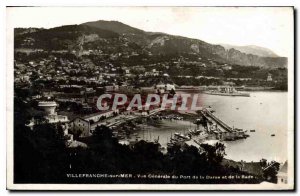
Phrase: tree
(270, 171)
(263, 163)
(214, 153)
(103, 132)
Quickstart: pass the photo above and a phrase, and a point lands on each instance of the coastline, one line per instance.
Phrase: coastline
(248, 89)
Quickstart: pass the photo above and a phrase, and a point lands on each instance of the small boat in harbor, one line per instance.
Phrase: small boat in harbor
(178, 135)
(169, 145)
(173, 140)
(162, 148)
(202, 135)
(229, 139)
(246, 135)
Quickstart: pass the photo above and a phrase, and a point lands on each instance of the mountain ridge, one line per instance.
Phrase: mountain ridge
(116, 34)
(252, 49)
(113, 25)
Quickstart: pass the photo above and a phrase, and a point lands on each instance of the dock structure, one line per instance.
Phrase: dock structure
(226, 132)
(217, 120)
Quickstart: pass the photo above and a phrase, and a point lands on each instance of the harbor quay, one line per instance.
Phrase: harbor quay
(207, 126)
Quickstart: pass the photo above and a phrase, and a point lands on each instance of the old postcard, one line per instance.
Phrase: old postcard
(150, 98)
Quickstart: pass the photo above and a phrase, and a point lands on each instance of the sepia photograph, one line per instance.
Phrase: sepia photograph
(150, 98)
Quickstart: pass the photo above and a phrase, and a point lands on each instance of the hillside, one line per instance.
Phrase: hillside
(61, 38)
(113, 36)
(20, 31)
(251, 49)
(114, 26)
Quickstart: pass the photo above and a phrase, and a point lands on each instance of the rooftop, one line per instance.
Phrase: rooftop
(95, 114)
(283, 169)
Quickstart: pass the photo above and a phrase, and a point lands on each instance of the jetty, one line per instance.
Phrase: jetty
(221, 130)
(206, 112)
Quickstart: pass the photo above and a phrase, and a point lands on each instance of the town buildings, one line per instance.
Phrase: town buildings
(282, 175)
(84, 126)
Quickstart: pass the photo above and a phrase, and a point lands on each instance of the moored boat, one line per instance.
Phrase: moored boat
(227, 91)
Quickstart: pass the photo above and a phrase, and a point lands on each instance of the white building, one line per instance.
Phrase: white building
(226, 67)
(111, 88)
(269, 78)
(50, 115)
(282, 174)
(164, 88)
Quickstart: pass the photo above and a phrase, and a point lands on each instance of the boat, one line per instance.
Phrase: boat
(173, 140)
(178, 135)
(202, 135)
(162, 148)
(246, 135)
(229, 139)
(227, 91)
(194, 131)
(170, 144)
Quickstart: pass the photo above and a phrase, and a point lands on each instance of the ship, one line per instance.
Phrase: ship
(227, 91)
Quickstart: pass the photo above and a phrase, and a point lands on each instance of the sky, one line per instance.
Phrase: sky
(270, 27)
